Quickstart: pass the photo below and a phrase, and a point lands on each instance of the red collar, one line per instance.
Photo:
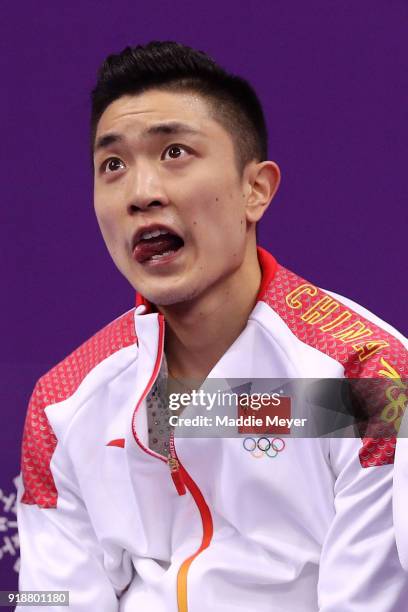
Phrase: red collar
(268, 267)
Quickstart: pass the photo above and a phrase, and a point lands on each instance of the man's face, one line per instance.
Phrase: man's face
(163, 164)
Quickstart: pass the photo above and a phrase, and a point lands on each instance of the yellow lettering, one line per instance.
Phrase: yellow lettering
(320, 310)
(389, 371)
(401, 398)
(395, 409)
(342, 318)
(355, 331)
(292, 297)
(390, 413)
(366, 349)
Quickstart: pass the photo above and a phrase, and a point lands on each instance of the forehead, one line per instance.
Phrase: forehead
(137, 113)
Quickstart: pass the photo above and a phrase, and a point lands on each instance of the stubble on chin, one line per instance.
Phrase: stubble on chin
(172, 297)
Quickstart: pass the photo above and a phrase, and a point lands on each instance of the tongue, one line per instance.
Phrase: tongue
(156, 246)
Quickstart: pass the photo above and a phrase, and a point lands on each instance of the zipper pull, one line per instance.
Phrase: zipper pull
(176, 475)
(174, 466)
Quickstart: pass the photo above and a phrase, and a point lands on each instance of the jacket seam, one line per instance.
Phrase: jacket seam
(88, 397)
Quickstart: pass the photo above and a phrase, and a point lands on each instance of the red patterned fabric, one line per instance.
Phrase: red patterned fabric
(60, 383)
(364, 349)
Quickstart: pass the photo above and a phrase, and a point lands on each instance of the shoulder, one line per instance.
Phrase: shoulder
(63, 379)
(365, 345)
(57, 385)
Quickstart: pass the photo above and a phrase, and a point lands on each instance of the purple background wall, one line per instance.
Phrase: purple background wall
(332, 77)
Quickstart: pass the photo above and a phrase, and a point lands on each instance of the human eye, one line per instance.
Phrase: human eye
(111, 165)
(175, 151)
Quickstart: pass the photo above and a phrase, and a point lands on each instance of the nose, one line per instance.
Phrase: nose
(146, 188)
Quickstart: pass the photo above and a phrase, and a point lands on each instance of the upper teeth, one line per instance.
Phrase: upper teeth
(154, 234)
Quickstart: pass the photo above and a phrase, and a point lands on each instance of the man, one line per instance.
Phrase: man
(113, 508)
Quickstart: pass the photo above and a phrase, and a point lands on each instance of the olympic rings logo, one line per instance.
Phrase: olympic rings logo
(264, 447)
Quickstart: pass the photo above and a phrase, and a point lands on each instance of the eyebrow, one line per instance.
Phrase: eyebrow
(168, 128)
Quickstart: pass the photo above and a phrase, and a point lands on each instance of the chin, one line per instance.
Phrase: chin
(171, 297)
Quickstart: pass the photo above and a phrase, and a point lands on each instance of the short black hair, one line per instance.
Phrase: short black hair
(175, 67)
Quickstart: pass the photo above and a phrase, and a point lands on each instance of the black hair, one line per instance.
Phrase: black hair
(174, 67)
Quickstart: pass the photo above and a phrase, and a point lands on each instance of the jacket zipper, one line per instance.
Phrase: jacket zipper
(148, 387)
(174, 465)
(181, 479)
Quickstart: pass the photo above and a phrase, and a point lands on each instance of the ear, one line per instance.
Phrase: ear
(261, 184)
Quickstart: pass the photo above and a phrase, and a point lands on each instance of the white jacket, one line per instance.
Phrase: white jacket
(310, 529)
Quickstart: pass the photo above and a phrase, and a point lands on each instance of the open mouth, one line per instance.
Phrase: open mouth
(156, 245)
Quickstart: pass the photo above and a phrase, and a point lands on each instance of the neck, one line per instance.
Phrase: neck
(199, 332)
